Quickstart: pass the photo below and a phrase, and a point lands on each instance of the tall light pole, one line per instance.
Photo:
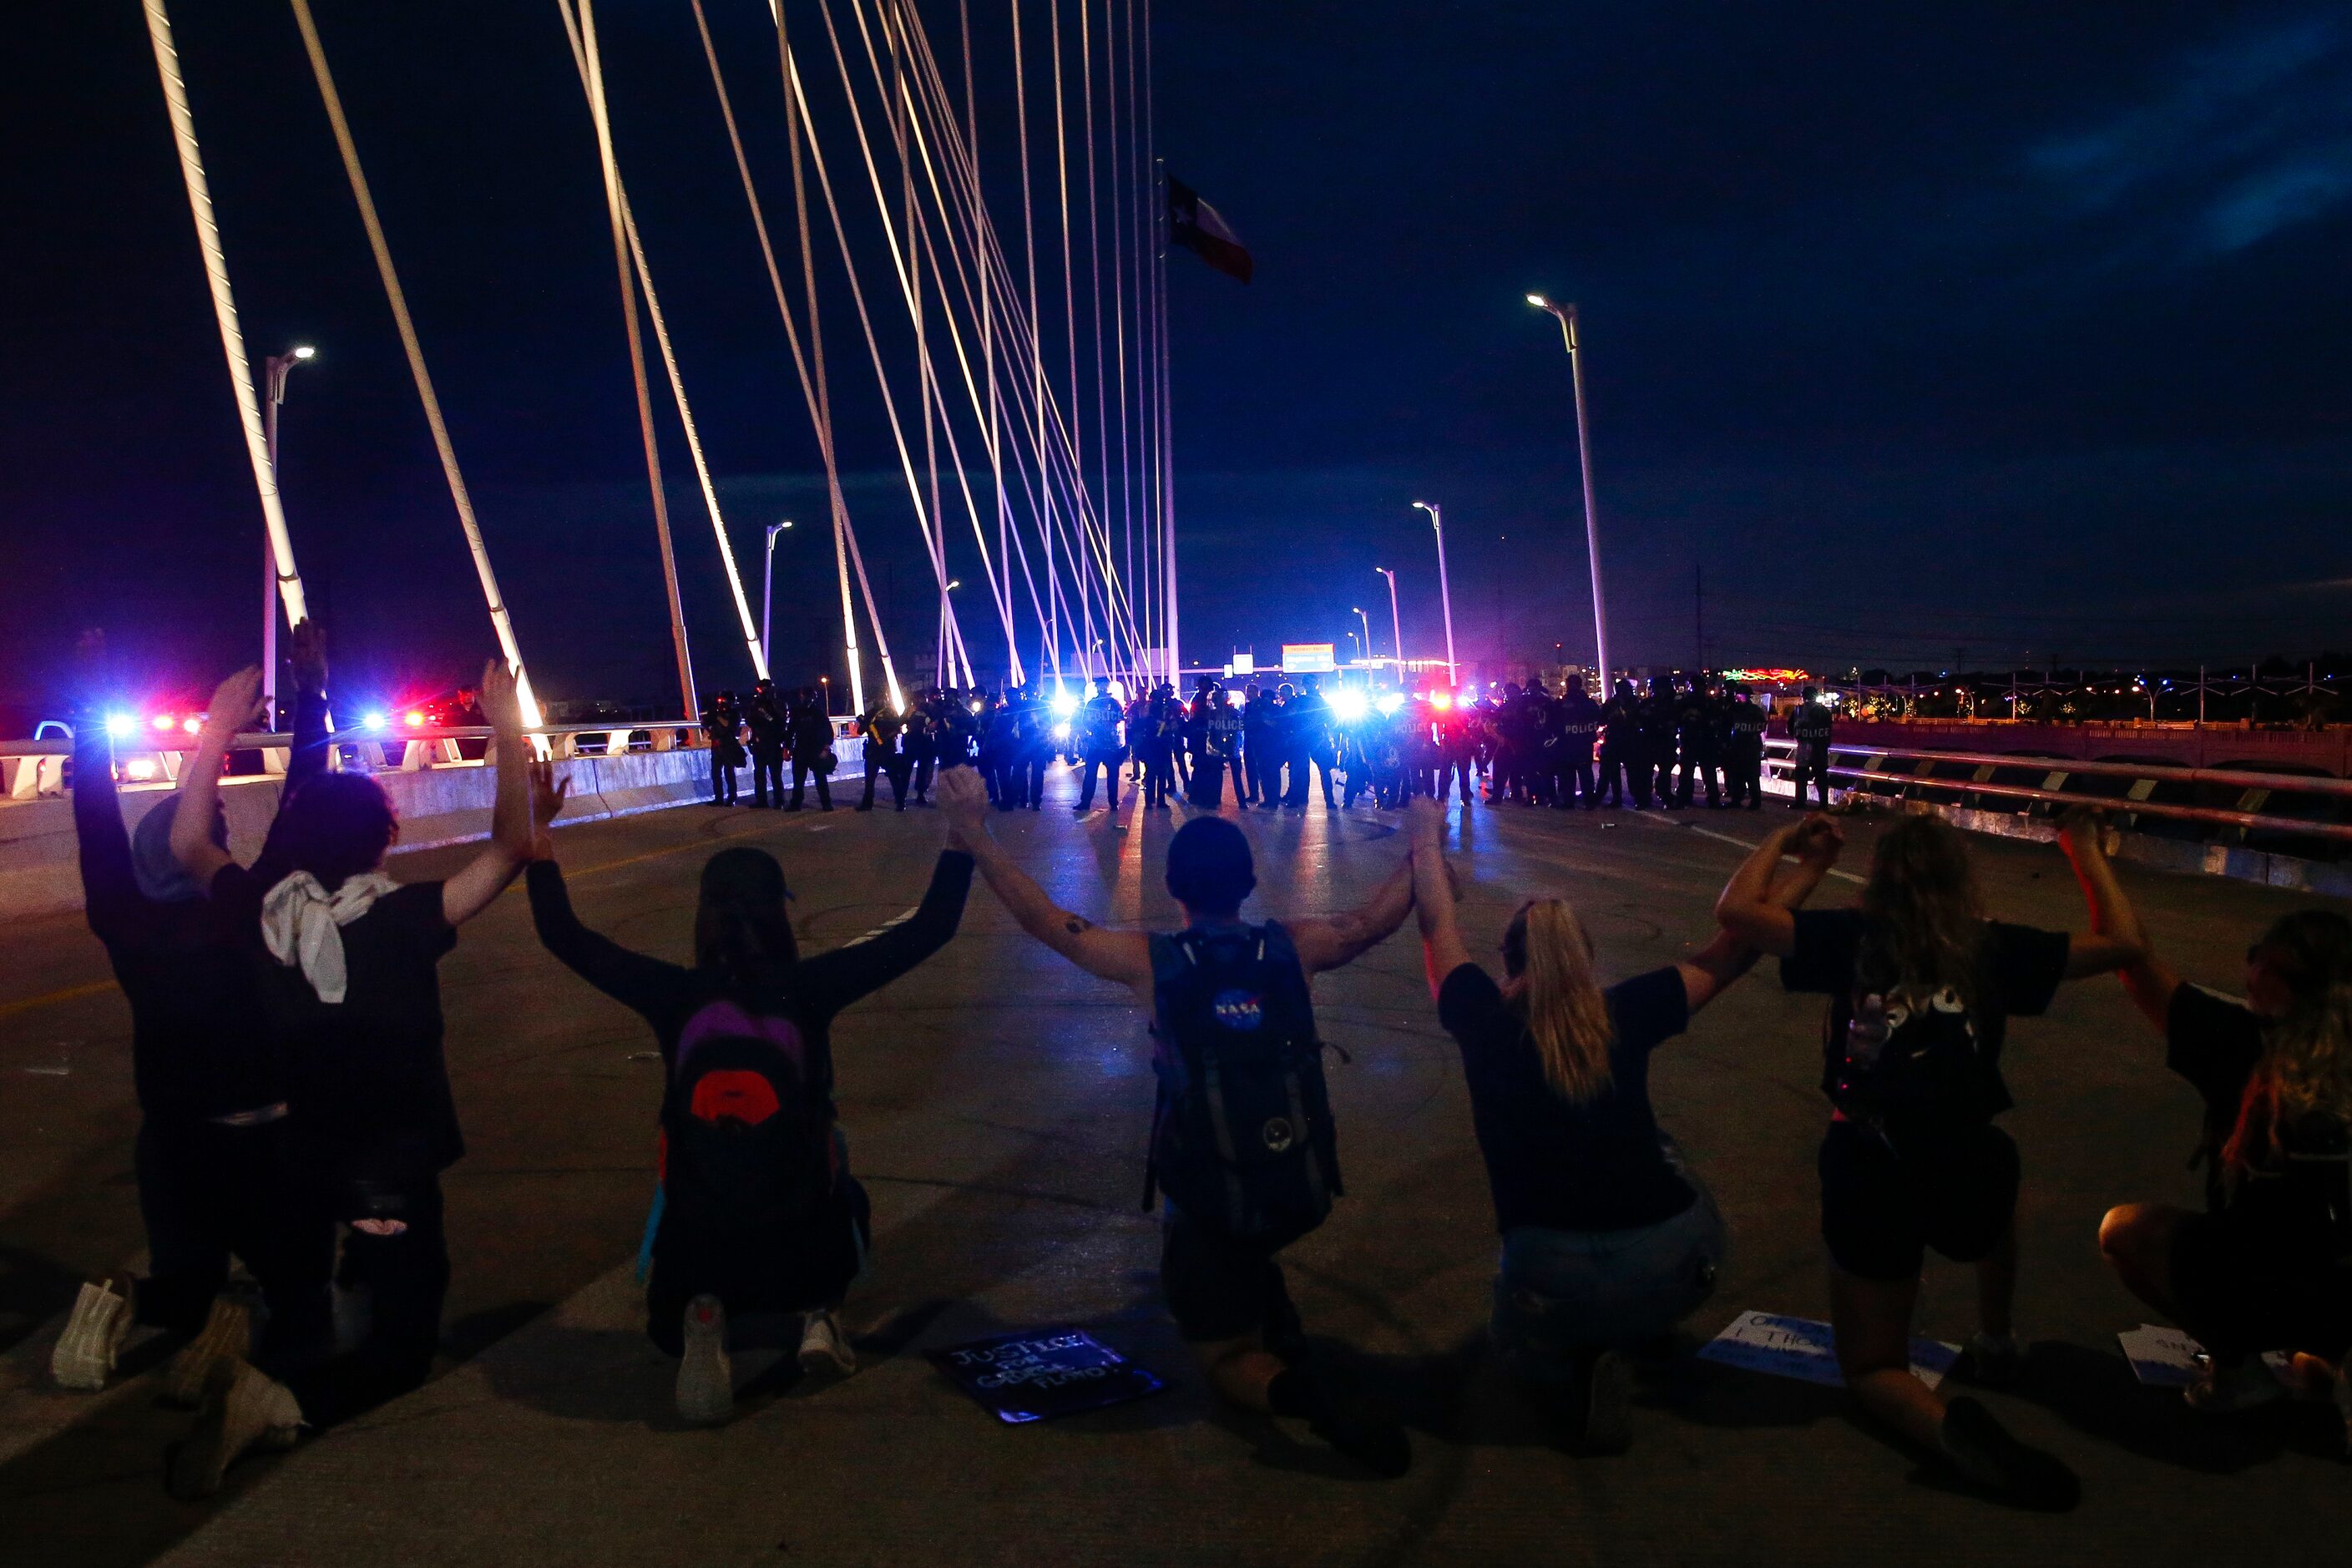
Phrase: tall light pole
(1396, 626)
(1444, 594)
(1567, 317)
(274, 371)
(768, 595)
(1368, 628)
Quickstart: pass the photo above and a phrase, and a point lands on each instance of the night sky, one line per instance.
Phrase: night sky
(2016, 329)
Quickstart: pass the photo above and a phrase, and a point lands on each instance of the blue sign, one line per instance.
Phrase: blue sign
(1040, 1373)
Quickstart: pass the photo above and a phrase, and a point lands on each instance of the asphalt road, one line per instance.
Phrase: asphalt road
(996, 1103)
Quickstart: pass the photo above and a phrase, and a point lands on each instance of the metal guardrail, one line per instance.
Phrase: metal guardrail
(2258, 787)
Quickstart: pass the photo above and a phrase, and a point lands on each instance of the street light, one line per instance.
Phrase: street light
(274, 371)
(1444, 596)
(768, 596)
(1396, 626)
(1567, 317)
(1368, 628)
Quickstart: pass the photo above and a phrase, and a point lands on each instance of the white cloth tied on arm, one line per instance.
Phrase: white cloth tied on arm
(302, 923)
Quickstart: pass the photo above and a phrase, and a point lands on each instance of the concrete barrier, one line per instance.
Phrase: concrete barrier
(40, 873)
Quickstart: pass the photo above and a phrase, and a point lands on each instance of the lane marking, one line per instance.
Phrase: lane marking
(1741, 844)
(70, 993)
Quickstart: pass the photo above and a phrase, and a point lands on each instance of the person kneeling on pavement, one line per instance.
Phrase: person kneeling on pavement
(757, 1211)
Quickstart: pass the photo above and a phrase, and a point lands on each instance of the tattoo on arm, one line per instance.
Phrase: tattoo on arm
(1075, 925)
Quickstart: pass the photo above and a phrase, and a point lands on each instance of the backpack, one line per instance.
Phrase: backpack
(1904, 1051)
(747, 1140)
(1242, 1137)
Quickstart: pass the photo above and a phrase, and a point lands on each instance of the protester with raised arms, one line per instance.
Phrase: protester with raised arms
(352, 999)
(1243, 1144)
(1609, 1240)
(757, 1213)
(1921, 986)
(2268, 1265)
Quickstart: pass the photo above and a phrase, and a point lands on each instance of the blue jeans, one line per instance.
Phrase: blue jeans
(1563, 1295)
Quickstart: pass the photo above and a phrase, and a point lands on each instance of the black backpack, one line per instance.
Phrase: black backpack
(1242, 1139)
(747, 1143)
(1903, 1050)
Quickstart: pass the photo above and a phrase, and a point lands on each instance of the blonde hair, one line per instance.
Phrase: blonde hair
(1547, 959)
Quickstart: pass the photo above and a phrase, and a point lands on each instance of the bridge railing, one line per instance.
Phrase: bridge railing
(2301, 815)
(32, 769)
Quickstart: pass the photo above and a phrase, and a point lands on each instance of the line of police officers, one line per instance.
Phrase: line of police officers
(1683, 739)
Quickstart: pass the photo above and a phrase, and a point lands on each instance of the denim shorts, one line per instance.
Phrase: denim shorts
(1562, 1295)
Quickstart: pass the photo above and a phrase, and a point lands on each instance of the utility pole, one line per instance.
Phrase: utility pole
(1698, 616)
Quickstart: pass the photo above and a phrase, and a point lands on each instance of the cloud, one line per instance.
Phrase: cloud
(2247, 140)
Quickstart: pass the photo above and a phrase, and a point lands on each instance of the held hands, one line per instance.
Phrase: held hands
(234, 702)
(1425, 822)
(964, 800)
(548, 795)
(2083, 828)
(1816, 841)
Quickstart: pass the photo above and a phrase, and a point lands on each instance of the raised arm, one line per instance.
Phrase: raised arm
(110, 890)
(632, 979)
(1753, 909)
(1714, 968)
(1330, 941)
(1441, 949)
(500, 861)
(1121, 956)
(192, 839)
(2117, 941)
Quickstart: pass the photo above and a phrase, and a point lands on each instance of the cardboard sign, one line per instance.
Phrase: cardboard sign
(1805, 1348)
(1044, 1373)
(2168, 1358)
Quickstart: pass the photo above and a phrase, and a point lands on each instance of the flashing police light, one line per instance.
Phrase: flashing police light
(373, 719)
(1063, 705)
(1441, 701)
(119, 725)
(1350, 707)
(416, 718)
(1062, 731)
(164, 721)
(1390, 701)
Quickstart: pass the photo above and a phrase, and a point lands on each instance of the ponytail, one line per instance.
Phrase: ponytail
(1549, 960)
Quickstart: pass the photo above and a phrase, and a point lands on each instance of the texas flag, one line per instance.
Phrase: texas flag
(1195, 225)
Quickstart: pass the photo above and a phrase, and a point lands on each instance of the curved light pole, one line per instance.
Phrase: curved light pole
(1444, 594)
(274, 372)
(1565, 315)
(767, 594)
(1368, 628)
(1396, 626)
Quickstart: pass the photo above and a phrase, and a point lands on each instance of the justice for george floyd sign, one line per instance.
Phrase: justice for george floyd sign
(1034, 1375)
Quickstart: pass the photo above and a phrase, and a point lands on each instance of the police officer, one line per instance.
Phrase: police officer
(1579, 720)
(1261, 745)
(921, 746)
(1155, 743)
(1696, 726)
(1000, 744)
(763, 720)
(1743, 747)
(812, 738)
(1308, 721)
(1102, 745)
(1624, 755)
(723, 722)
(1808, 726)
(881, 727)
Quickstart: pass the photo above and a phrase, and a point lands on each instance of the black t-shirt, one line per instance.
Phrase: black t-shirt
(367, 1084)
(2216, 1043)
(2019, 970)
(1551, 1162)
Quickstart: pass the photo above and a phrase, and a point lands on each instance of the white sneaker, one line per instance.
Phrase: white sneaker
(243, 1410)
(228, 1335)
(825, 1350)
(85, 1353)
(705, 1378)
(2226, 1390)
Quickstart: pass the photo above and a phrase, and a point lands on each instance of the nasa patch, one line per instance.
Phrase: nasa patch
(1238, 1009)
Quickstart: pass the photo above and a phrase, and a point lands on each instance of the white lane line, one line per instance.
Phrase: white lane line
(1739, 843)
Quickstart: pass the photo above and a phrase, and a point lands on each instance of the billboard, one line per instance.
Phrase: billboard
(1243, 664)
(1307, 659)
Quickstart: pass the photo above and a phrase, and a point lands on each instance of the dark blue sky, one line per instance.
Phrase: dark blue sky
(2017, 328)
